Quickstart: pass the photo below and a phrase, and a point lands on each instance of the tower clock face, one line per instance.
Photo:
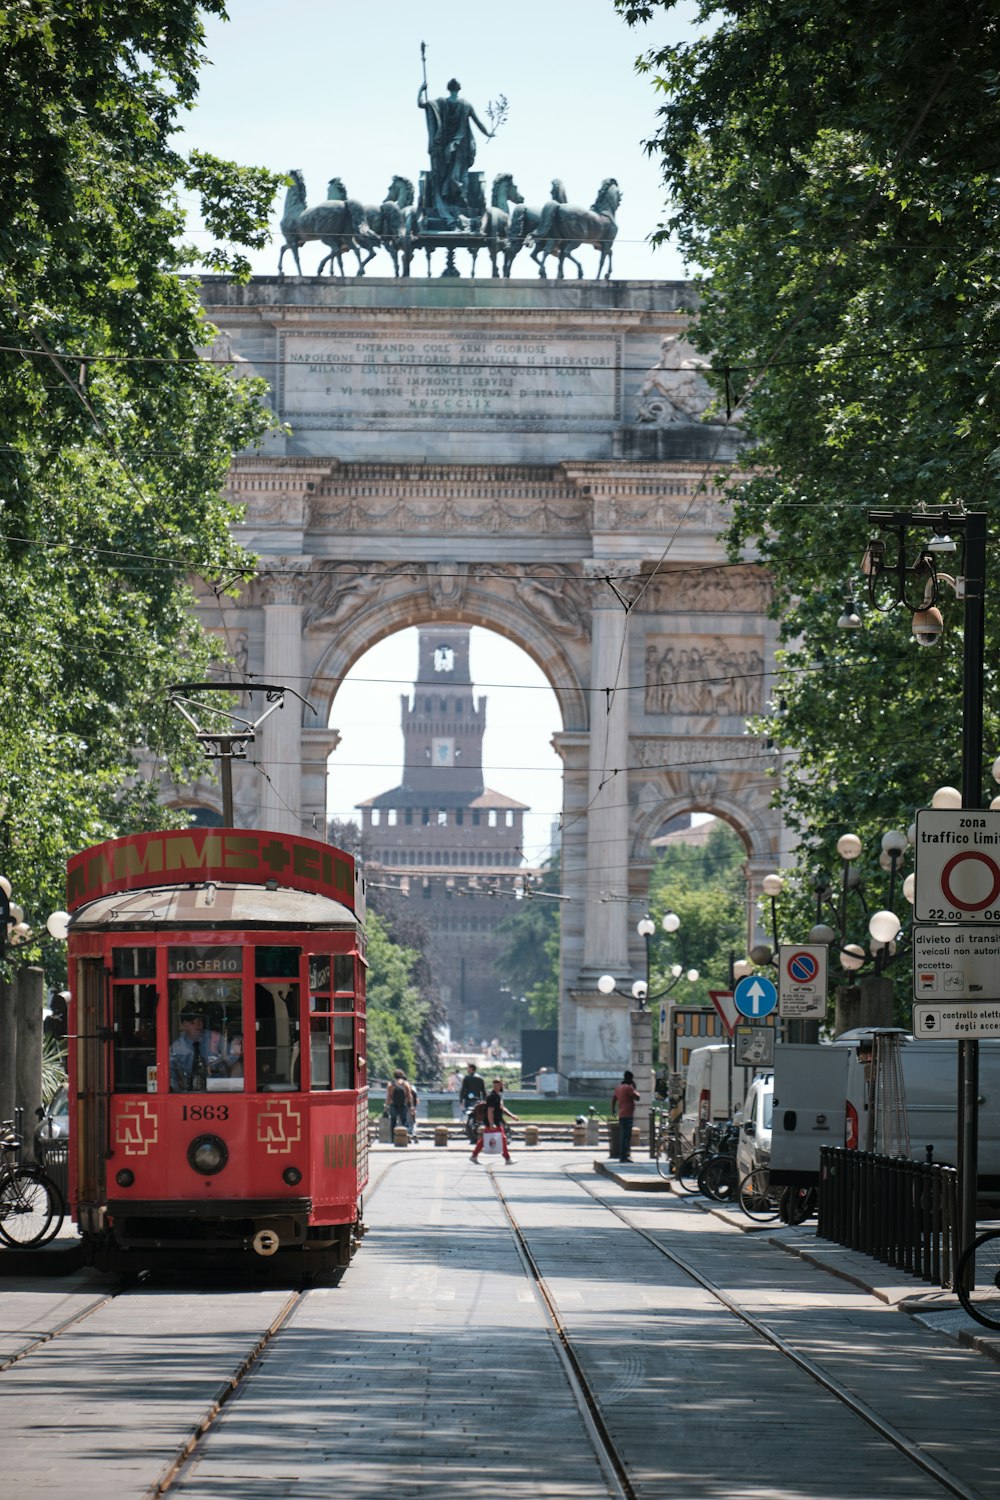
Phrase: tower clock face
(443, 752)
(444, 659)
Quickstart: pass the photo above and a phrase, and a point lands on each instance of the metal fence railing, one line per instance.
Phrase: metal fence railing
(901, 1212)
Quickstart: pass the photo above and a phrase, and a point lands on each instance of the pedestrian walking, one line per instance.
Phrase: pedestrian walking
(399, 1102)
(495, 1111)
(623, 1103)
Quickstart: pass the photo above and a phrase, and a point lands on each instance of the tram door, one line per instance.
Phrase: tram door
(92, 1093)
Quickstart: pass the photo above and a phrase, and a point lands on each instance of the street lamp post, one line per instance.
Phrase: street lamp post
(640, 1020)
(927, 626)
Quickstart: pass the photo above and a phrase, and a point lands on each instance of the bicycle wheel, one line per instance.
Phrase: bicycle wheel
(717, 1178)
(757, 1200)
(58, 1207)
(796, 1205)
(688, 1172)
(664, 1165)
(25, 1208)
(982, 1258)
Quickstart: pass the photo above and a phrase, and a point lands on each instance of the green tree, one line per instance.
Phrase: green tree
(832, 170)
(118, 434)
(395, 1008)
(398, 1035)
(529, 956)
(706, 886)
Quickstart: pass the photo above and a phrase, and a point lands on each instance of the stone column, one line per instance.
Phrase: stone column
(279, 747)
(605, 948)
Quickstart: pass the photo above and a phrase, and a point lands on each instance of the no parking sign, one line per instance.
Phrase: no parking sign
(802, 969)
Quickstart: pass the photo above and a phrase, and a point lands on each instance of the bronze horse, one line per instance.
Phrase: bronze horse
(386, 224)
(339, 223)
(524, 222)
(496, 219)
(563, 228)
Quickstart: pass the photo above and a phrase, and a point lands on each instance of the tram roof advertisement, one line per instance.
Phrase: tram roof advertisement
(182, 856)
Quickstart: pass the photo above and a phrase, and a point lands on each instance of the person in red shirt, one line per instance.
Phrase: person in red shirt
(623, 1103)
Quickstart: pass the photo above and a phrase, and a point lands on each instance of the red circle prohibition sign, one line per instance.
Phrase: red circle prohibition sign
(991, 865)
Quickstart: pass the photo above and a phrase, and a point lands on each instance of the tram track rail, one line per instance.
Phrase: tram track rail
(610, 1457)
(233, 1383)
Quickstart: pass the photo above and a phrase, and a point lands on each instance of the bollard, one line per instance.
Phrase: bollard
(400, 1136)
(579, 1135)
(531, 1135)
(593, 1131)
(383, 1130)
(440, 1135)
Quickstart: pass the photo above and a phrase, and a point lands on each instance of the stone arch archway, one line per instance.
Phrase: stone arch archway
(379, 619)
(492, 459)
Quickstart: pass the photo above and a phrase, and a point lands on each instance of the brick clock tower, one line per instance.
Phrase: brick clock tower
(448, 839)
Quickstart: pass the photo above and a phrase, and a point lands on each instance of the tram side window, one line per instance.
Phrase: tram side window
(276, 1018)
(206, 1018)
(343, 1052)
(133, 1039)
(331, 1033)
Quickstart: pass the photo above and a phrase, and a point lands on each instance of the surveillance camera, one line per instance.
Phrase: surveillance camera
(927, 625)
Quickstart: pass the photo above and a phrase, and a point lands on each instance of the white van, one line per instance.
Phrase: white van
(822, 1097)
(754, 1146)
(714, 1088)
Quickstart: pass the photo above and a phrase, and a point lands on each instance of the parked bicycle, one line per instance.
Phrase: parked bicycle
(980, 1262)
(796, 1204)
(719, 1175)
(758, 1200)
(31, 1206)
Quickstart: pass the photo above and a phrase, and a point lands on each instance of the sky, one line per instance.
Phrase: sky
(330, 87)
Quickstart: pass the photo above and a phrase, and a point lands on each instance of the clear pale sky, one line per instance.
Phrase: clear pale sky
(330, 87)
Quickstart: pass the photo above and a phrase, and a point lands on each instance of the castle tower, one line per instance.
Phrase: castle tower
(447, 836)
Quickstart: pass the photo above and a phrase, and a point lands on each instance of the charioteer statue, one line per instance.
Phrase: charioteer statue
(452, 147)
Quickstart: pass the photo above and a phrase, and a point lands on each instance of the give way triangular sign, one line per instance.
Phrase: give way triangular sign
(726, 1007)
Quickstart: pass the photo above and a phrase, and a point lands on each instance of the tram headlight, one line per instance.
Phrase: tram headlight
(125, 1177)
(292, 1176)
(208, 1154)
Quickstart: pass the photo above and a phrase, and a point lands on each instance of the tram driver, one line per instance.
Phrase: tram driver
(197, 1054)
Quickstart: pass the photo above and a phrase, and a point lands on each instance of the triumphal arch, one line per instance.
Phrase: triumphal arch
(533, 457)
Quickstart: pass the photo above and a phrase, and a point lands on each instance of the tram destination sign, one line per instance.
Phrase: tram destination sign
(958, 866)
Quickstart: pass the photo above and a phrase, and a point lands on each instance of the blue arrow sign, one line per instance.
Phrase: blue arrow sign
(755, 996)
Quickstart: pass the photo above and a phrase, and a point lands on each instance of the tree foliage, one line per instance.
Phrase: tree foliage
(117, 434)
(833, 171)
(529, 954)
(407, 1013)
(706, 886)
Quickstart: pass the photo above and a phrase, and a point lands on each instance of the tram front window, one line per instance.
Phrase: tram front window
(206, 1019)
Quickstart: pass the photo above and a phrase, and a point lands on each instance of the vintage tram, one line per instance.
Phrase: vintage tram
(218, 1095)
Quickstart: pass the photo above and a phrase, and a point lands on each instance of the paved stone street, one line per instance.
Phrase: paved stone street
(433, 1367)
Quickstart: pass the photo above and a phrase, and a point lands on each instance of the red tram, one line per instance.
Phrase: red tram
(218, 1095)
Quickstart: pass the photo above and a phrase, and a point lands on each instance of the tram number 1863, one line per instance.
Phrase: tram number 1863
(205, 1112)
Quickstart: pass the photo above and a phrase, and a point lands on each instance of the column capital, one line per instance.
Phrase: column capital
(283, 582)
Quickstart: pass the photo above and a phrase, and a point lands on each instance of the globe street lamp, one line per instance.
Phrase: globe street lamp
(646, 929)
